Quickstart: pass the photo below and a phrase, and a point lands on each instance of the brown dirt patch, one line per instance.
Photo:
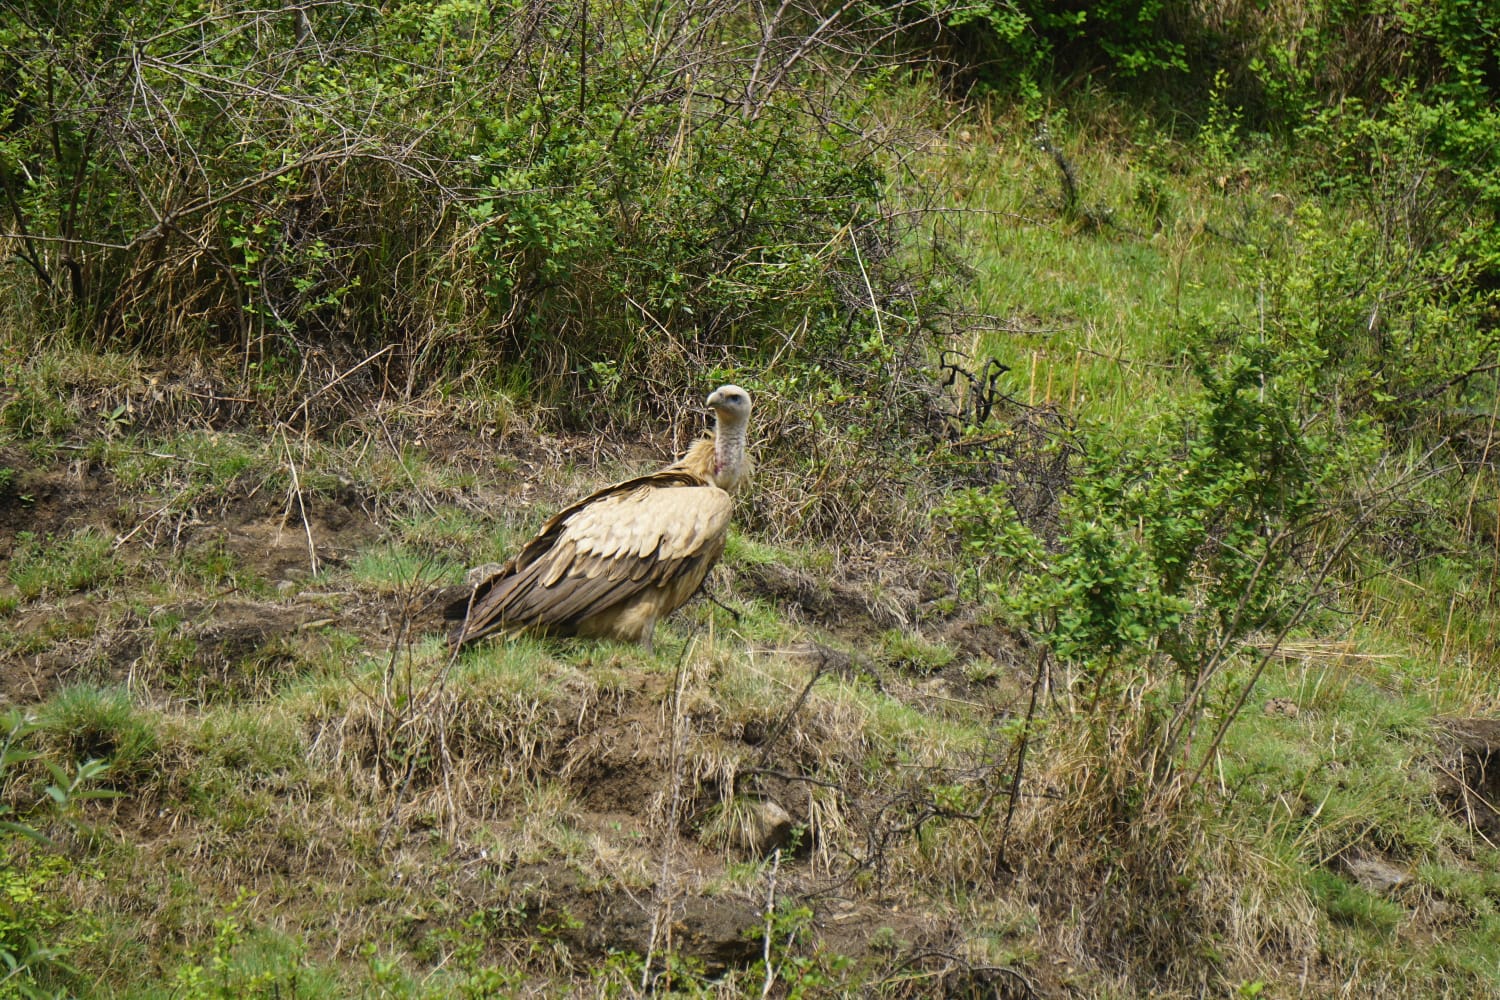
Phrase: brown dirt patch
(51, 500)
(233, 642)
(1469, 777)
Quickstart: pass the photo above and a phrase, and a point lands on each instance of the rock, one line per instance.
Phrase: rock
(480, 573)
(768, 827)
(1283, 707)
(1375, 874)
(748, 825)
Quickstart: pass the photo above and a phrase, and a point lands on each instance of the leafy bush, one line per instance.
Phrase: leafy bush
(574, 202)
(34, 938)
(1173, 547)
(1025, 42)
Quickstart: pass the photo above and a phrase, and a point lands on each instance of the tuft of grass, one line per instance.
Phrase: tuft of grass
(93, 723)
(52, 567)
(740, 548)
(732, 825)
(515, 666)
(251, 740)
(446, 529)
(210, 565)
(35, 412)
(1350, 904)
(191, 466)
(909, 651)
(399, 568)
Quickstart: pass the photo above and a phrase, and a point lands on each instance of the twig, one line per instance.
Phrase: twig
(765, 949)
(775, 734)
(661, 901)
(296, 494)
(137, 451)
(1015, 781)
(307, 400)
(1065, 168)
(158, 512)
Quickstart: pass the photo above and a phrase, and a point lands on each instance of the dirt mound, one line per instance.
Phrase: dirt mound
(47, 500)
(598, 920)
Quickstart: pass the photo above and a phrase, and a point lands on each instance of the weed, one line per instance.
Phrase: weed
(35, 413)
(37, 935)
(786, 959)
(243, 961)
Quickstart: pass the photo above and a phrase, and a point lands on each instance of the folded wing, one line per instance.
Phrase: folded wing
(612, 564)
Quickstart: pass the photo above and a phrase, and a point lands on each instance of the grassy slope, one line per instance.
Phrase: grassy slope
(316, 802)
(1337, 759)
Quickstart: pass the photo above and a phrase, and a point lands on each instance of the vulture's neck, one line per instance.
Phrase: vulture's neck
(720, 457)
(731, 464)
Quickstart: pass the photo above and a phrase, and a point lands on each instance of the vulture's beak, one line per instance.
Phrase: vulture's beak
(730, 401)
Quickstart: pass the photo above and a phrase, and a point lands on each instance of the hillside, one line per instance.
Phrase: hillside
(1111, 614)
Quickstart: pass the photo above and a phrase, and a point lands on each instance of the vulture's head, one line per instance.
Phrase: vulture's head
(731, 464)
(730, 404)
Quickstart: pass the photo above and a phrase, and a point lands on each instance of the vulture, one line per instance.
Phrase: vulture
(621, 559)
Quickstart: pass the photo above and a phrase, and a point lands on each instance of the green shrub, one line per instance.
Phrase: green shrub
(37, 934)
(1025, 42)
(1172, 546)
(446, 188)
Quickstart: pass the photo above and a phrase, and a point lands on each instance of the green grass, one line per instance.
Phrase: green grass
(209, 564)
(911, 652)
(190, 466)
(251, 740)
(448, 528)
(54, 567)
(92, 723)
(401, 568)
(1093, 318)
(1342, 774)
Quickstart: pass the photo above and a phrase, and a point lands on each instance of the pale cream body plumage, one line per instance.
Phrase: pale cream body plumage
(618, 561)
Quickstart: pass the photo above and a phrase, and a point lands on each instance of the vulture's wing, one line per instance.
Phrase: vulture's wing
(643, 539)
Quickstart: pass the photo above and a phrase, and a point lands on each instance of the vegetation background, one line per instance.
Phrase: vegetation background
(1112, 615)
